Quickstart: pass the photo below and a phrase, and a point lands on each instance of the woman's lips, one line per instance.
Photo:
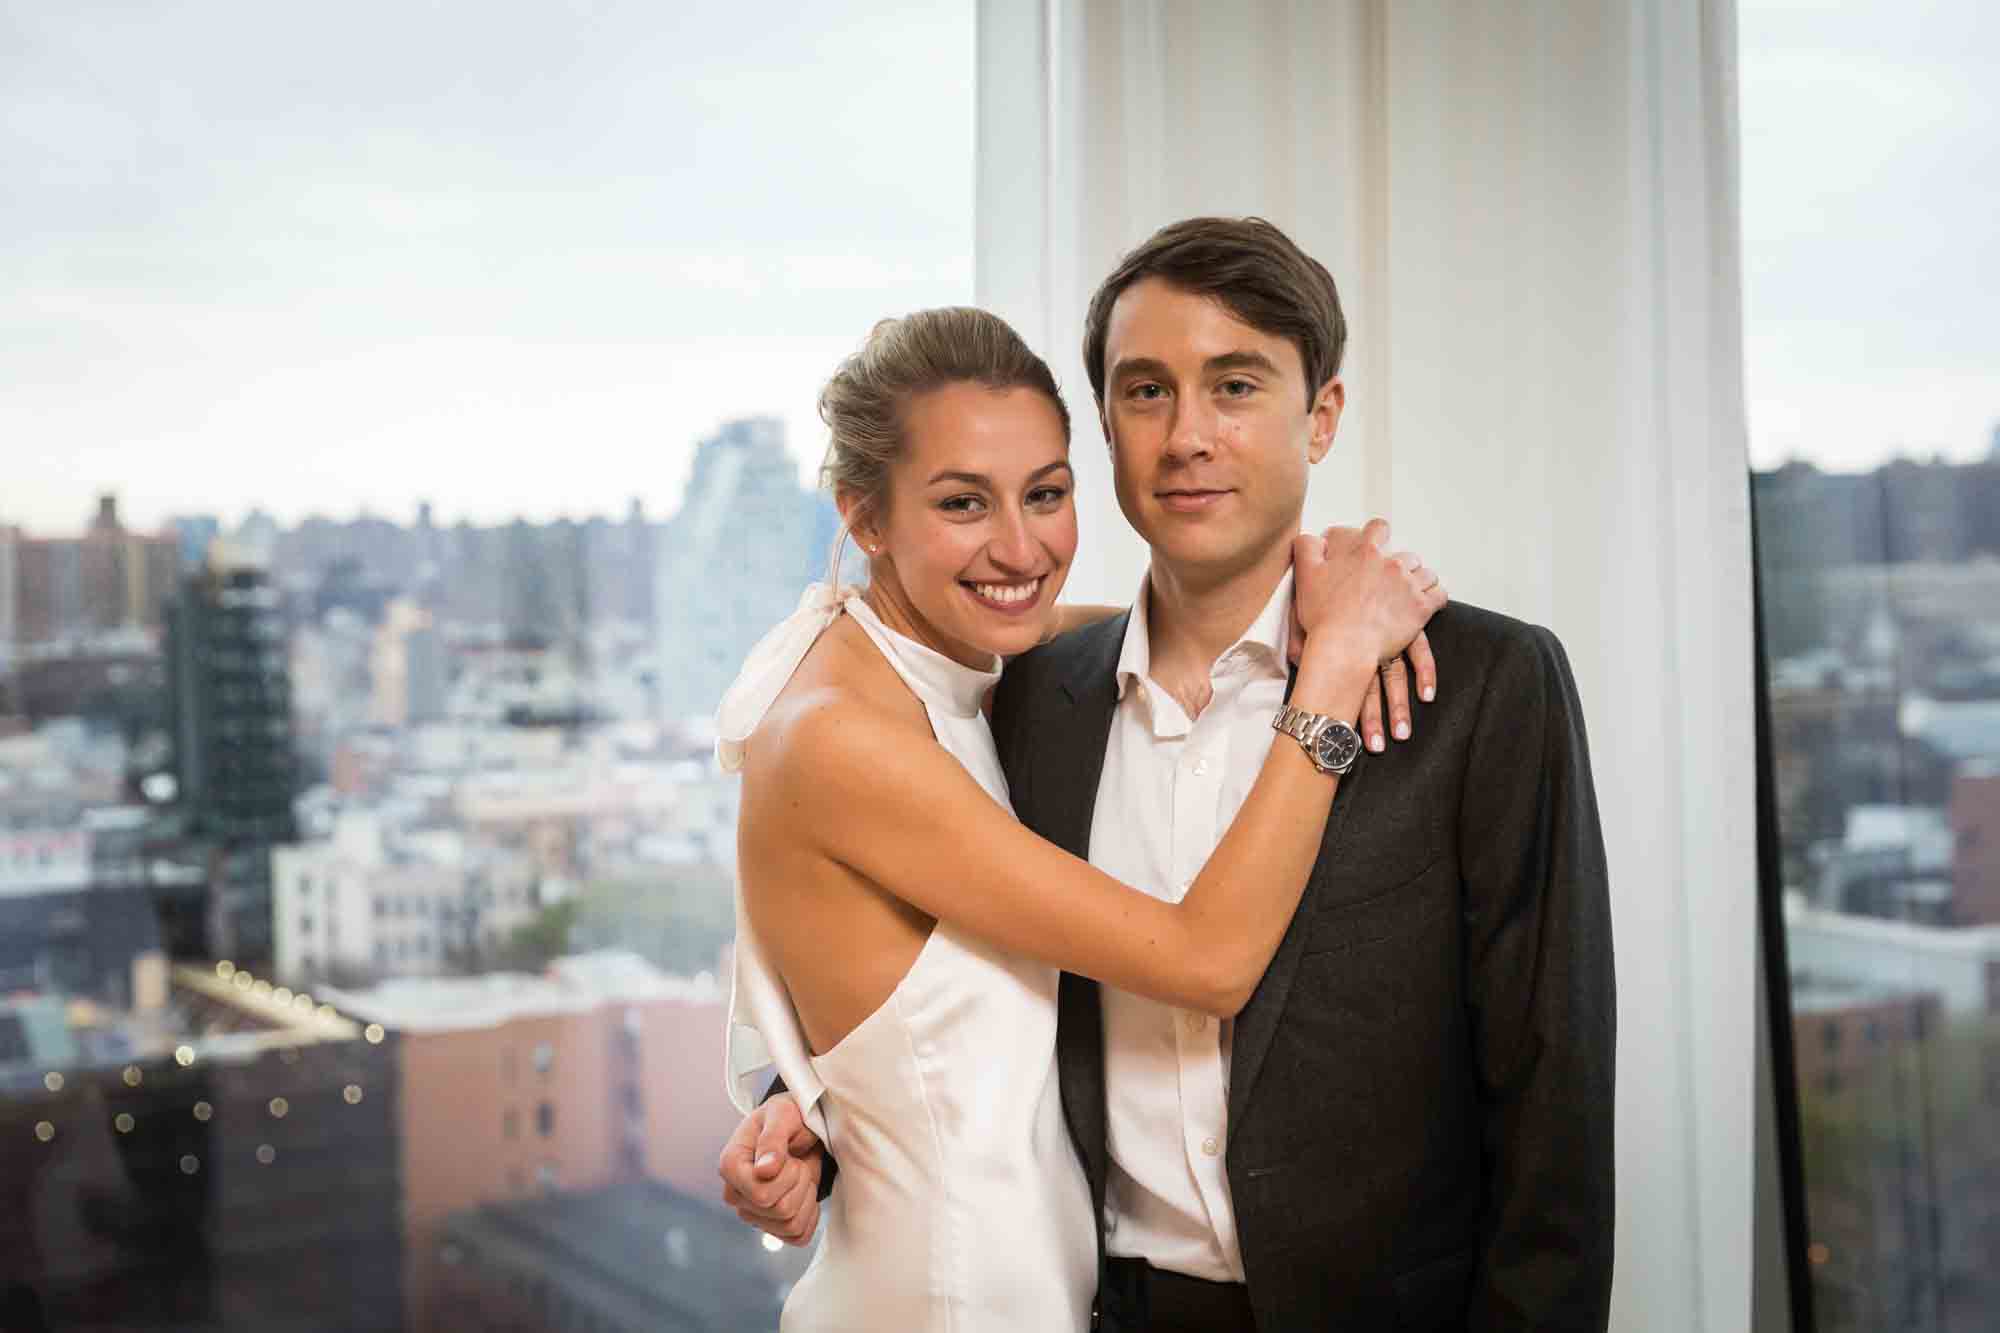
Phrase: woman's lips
(1009, 599)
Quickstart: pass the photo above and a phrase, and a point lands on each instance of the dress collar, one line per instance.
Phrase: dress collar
(940, 681)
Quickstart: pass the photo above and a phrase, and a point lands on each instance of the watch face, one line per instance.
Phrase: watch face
(1337, 747)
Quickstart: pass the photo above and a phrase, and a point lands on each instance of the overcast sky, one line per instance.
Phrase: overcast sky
(517, 258)
(1871, 228)
(514, 257)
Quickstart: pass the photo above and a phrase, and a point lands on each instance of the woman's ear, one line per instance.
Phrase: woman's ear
(859, 520)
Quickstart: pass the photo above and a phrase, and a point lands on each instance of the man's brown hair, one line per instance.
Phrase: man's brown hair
(1253, 270)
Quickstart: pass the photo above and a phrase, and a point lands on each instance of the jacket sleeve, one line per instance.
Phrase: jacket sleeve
(1541, 998)
(829, 1168)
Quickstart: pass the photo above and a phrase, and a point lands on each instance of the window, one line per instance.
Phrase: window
(372, 553)
(1875, 489)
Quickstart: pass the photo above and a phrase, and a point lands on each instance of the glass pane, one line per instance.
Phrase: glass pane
(1871, 175)
(409, 421)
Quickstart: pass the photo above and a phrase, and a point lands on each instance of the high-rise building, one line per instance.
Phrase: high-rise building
(81, 588)
(193, 535)
(10, 594)
(732, 563)
(230, 725)
(231, 704)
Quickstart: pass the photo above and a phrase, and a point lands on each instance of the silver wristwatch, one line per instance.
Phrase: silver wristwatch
(1331, 744)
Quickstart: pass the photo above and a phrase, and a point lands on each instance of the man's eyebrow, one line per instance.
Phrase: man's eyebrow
(981, 479)
(1243, 359)
(1131, 366)
(1153, 367)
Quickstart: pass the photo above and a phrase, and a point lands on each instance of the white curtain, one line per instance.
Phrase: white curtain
(1531, 213)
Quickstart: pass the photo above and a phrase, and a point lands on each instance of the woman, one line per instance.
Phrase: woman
(899, 933)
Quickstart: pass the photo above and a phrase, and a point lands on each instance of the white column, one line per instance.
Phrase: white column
(1531, 213)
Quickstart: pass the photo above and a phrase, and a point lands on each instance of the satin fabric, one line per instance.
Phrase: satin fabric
(961, 1204)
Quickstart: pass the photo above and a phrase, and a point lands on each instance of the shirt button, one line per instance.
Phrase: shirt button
(1210, 1147)
(1201, 768)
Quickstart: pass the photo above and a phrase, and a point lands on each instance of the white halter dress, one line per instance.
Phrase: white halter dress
(960, 1204)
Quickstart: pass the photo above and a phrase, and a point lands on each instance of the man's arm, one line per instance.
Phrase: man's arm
(1542, 999)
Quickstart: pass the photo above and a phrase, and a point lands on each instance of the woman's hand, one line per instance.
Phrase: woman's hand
(1413, 658)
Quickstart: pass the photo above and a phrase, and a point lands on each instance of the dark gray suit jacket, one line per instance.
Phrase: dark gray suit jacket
(1420, 1095)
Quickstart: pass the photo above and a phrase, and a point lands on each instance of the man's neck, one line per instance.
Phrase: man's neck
(1195, 614)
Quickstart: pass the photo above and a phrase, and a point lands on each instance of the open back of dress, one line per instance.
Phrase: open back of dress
(960, 1203)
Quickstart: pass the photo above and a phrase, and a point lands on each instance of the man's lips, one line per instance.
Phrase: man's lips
(1190, 499)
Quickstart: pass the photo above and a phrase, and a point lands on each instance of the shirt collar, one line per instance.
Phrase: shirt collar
(1262, 647)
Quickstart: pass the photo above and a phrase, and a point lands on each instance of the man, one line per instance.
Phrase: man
(1410, 1124)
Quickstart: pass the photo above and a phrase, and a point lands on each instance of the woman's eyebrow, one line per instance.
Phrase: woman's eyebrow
(981, 479)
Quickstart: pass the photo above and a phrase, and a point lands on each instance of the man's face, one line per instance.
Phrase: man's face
(1210, 429)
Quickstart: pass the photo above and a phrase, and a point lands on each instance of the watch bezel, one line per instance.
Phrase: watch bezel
(1336, 746)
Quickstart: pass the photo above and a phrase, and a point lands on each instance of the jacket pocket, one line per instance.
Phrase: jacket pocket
(1433, 1298)
(1385, 915)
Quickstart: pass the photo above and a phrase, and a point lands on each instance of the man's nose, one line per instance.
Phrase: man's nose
(1191, 434)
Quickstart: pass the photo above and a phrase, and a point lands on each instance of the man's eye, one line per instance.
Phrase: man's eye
(1238, 388)
(1146, 392)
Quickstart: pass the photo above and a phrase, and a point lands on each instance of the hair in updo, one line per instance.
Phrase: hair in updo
(902, 359)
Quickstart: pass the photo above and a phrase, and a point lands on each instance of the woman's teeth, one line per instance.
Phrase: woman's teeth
(1007, 592)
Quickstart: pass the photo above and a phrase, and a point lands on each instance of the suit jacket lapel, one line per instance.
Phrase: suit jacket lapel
(1258, 1022)
(1067, 763)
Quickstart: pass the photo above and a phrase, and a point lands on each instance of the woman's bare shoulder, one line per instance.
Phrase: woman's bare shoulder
(843, 690)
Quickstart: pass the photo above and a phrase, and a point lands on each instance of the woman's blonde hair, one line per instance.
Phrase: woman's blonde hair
(863, 404)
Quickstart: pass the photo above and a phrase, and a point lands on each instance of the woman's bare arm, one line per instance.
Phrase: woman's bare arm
(909, 818)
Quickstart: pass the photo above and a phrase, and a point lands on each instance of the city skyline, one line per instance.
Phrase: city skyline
(255, 263)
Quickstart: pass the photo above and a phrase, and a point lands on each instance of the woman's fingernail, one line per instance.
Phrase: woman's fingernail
(767, 1159)
(1429, 692)
(1375, 742)
(1402, 731)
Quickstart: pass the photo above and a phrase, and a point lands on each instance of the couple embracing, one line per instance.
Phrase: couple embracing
(1187, 973)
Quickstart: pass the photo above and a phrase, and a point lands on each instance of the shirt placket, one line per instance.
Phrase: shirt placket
(1198, 790)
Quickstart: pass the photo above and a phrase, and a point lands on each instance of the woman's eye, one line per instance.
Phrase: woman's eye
(961, 504)
(1047, 496)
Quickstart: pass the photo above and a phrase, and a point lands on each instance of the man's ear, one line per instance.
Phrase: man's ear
(1332, 396)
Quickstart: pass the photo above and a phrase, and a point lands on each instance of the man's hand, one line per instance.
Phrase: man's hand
(770, 1171)
(1395, 676)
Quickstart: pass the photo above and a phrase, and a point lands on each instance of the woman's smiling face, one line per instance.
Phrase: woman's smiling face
(978, 529)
